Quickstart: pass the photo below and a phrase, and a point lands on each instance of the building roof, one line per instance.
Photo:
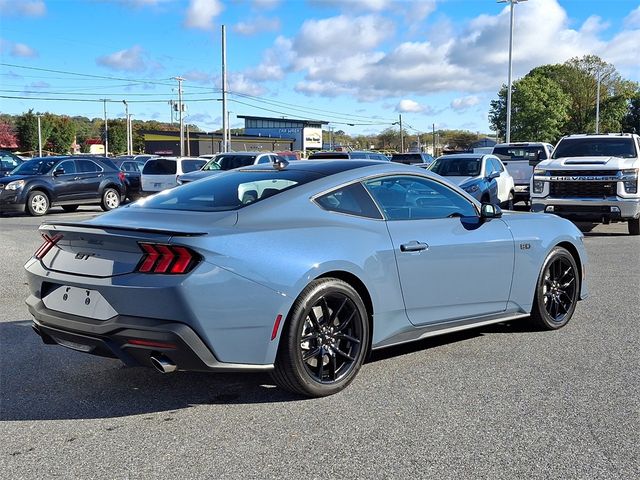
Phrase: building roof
(280, 119)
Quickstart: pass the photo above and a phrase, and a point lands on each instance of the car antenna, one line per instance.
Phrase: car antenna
(280, 163)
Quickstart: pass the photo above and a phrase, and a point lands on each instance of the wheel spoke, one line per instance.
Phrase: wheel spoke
(314, 320)
(320, 365)
(348, 337)
(346, 323)
(326, 314)
(344, 354)
(311, 353)
(308, 338)
(332, 366)
(567, 284)
(335, 313)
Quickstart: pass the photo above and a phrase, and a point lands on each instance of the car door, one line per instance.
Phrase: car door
(502, 181)
(65, 181)
(90, 175)
(452, 265)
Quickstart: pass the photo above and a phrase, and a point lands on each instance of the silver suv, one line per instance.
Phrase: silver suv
(228, 161)
(591, 178)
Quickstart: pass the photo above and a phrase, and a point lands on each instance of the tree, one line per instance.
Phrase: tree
(27, 131)
(631, 121)
(7, 136)
(62, 134)
(117, 136)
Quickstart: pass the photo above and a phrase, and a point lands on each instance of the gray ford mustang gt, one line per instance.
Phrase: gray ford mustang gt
(299, 269)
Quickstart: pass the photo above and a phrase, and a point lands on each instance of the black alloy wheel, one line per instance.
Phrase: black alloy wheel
(324, 342)
(557, 290)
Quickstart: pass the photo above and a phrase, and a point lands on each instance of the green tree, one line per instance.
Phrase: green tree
(27, 130)
(631, 121)
(117, 136)
(62, 134)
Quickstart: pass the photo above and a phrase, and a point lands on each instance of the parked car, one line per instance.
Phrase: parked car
(412, 158)
(591, 179)
(191, 280)
(163, 172)
(38, 184)
(354, 155)
(482, 176)
(289, 156)
(132, 169)
(8, 161)
(228, 161)
(519, 159)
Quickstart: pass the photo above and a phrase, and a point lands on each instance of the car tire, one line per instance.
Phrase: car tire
(38, 203)
(110, 199)
(508, 205)
(557, 291)
(324, 340)
(70, 208)
(634, 226)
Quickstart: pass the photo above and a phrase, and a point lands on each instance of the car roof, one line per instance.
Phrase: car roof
(477, 156)
(246, 153)
(322, 168)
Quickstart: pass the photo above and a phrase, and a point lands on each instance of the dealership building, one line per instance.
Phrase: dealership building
(306, 134)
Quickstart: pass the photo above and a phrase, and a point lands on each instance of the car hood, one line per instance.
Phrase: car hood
(596, 163)
(198, 174)
(462, 180)
(13, 178)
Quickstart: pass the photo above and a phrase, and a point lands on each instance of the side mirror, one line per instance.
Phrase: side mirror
(534, 159)
(58, 171)
(489, 210)
(493, 175)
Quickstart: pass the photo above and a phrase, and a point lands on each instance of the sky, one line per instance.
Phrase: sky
(357, 64)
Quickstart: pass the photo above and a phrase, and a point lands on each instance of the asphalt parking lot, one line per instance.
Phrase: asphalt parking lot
(500, 402)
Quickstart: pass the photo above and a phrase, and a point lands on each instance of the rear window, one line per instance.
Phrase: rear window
(457, 167)
(329, 156)
(192, 165)
(159, 166)
(519, 153)
(407, 158)
(229, 162)
(228, 191)
(595, 147)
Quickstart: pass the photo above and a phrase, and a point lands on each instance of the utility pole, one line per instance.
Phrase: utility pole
(126, 117)
(511, 3)
(224, 91)
(401, 134)
(130, 125)
(180, 80)
(39, 136)
(598, 101)
(229, 129)
(106, 128)
(433, 129)
(188, 142)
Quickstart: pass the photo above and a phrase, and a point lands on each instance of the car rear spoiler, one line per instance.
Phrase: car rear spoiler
(79, 227)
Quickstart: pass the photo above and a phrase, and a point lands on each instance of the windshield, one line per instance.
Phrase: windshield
(192, 165)
(37, 166)
(519, 153)
(457, 167)
(227, 191)
(229, 162)
(211, 165)
(595, 147)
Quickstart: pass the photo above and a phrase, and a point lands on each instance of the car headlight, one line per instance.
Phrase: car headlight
(471, 188)
(630, 178)
(539, 171)
(16, 185)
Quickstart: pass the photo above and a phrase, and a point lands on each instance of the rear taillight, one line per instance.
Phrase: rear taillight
(49, 243)
(168, 259)
(121, 176)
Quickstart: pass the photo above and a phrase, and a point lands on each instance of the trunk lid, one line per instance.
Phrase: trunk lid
(108, 245)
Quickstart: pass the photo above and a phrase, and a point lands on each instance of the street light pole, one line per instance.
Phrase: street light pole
(126, 117)
(225, 146)
(39, 136)
(511, 3)
(401, 134)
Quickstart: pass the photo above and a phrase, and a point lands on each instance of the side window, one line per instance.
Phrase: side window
(87, 166)
(129, 167)
(264, 159)
(69, 166)
(497, 166)
(417, 198)
(352, 199)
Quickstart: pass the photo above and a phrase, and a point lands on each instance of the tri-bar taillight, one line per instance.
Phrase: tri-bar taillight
(167, 259)
(49, 243)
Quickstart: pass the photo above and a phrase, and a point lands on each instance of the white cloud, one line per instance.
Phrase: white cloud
(633, 19)
(200, 13)
(266, 4)
(464, 103)
(22, 50)
(257, 25)
(355, 5)
(140, 3)
(129, 60)
(409, 106)
(28, 8)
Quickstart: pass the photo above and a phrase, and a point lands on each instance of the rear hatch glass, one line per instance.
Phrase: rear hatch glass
(160, 166)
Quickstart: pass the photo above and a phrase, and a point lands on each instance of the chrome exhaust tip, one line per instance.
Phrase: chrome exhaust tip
(162, 364)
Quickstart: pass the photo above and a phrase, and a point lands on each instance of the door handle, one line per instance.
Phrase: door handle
(76, 178)
(413, 246)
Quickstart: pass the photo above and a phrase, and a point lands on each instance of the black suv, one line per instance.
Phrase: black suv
(38, 184)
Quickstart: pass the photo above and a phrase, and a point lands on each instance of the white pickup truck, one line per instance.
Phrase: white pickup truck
(519, 158)
(592, 179)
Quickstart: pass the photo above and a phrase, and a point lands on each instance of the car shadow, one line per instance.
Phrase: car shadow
(605, 234)
(48, 382)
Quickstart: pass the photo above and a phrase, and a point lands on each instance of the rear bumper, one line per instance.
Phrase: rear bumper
(133, 340)
(585, 209)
